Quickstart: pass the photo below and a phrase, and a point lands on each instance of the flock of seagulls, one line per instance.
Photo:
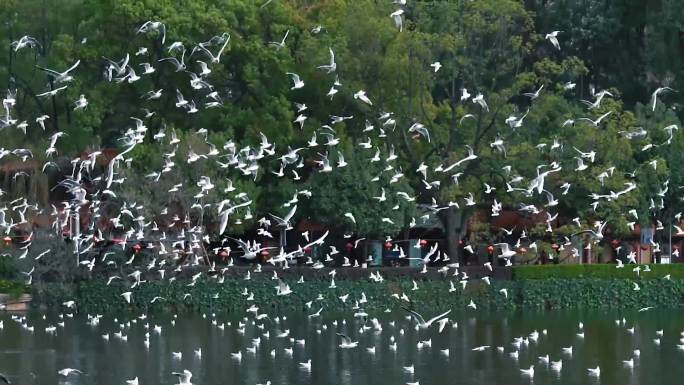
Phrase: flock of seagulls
(292, 342)
(180, 241)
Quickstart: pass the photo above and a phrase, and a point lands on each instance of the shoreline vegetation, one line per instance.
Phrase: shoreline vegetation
(526, 288)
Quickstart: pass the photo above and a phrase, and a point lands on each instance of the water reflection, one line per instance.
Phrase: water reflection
(36, 357)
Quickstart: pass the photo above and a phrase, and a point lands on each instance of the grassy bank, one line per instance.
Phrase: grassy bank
(211, 296)
(675, 271)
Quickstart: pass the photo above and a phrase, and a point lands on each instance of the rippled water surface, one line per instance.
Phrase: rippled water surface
(35, 357)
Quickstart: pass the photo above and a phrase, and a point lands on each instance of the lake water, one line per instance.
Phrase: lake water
(35, 357)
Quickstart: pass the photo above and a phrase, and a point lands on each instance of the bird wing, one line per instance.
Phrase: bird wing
(345, 338)
(290, 214)
(419, 318)
(5, 379)
(584, 231)
(438, 317)
(49, 71)
(73, 67)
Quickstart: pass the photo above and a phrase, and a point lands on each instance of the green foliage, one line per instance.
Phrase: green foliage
(350, 190)
(432, 295)
(8, 266)
(492, 47)
(13, 289)
(609, 271)
(593, 293)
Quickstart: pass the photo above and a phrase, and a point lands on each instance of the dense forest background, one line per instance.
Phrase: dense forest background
(496, 48)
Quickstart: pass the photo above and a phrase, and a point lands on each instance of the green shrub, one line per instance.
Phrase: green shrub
(13, 289)
(8, 267)
(676, 271)
(94, 296)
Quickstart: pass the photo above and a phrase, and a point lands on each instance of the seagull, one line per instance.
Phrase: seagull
(25, 41)
(67, 371)
(596, 234)
(421, 321)
(361, 95)
(157, 26)
(596, 122)
(280, 44)
(436, 66)
(347, 343)
(553, 38)
(350, 216)
(479, 99)
(298, 83)
(305, 365)
(61, 77)
(654, 96)
(533, 95)
(421, 130)
(528, 372)
(332, 66)
(396, 16)
(215, 58)
(52, 92)
(506, 251)
(183, 378)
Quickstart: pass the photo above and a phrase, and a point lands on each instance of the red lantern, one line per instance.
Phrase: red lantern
(460, 242)
(423, 243)
(523, 250)
(265, 253)
(7, 240)
(644, 247)
(136, 248)
(615, 243)
(307, 249)
(490, 249)
(388, 245)
(349, 246)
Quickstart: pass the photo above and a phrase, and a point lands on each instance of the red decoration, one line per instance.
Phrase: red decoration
(388, 245)
(223, 254)
(136, 248)
(615, 243)
(7, 240)
(523, 250)
(349, 246)
(555, 246)
(490, 249)
(265, 253)
(423, 243)
(307, 249)
(460, 242)
(644, 247)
